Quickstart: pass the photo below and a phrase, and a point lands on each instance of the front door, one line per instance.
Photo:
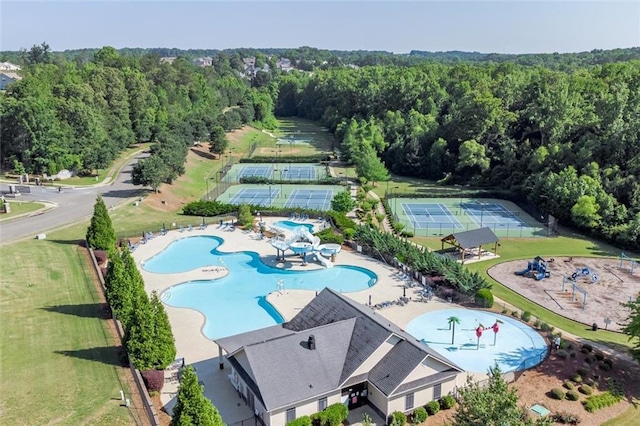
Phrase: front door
(356, 395)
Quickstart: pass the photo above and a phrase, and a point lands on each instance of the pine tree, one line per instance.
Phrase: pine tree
(164, 341)
(100, 234)
(192, 407)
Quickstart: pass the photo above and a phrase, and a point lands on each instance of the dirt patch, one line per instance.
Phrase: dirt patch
(271, 151)
(534, 385)
(606, 284)
(237, 135)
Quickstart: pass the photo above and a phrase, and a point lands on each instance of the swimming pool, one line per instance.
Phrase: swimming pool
(292, 226)
(517, 347)
(237, 303)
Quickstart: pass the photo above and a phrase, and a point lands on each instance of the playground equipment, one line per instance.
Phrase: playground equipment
(537, 268)
(575, 288)
(632, 262)
(585, 272)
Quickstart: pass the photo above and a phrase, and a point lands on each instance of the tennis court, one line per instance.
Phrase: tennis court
(319, 199)
(431, 217)
(426, 215)
(490, 214)
(278, 171)
(256, 196)
(281, 195)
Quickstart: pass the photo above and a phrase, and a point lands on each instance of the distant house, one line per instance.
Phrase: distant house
(8, 66)
(334, 351)
(8, 77)
(207, 61)
(168, 59)
(284, 64)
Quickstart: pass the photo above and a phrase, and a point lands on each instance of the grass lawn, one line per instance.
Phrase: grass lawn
(628, 418)
(59, 363)
(403, 184)
(20, 207)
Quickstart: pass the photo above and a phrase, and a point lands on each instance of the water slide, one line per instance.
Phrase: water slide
(315, 242)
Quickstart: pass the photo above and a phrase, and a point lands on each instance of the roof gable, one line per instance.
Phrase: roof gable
(395, 366)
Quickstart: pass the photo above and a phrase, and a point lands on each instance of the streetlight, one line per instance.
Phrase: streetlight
(207, 183)
(482, 212)
(269, 195)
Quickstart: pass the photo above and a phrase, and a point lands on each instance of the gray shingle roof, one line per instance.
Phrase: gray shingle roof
(347, 333)
(474, 238)
(395, 366)
(286, 370)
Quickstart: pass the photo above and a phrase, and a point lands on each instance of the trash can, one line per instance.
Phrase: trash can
(594, 327)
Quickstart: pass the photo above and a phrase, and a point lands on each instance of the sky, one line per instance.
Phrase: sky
(508, 26)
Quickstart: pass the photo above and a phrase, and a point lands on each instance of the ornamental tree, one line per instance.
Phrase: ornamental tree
(192, 407)
(100, 234)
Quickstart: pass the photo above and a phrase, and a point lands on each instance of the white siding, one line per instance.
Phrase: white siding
(427, 368)
(378, 399)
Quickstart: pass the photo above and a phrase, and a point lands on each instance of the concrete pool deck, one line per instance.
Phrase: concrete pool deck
(202, 353)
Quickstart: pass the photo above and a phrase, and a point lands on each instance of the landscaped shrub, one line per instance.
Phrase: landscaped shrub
(599, 356)
(335, 414)
(505, 311)
(514, 314)
(586, 348)
(300, 421)
(590, 382)
(526, 316)
(568, 385)
(207, 208)
(397, 419)
(572, 354)
(557, 393)
(447, 402)
(608, 361)
(419, 415)
(348, 233)
(573, 395)
(153, 380)
(576, 378)
(590, 359)
(583, 372)
(562, 354)
(604, 367)
(565, 418)
(244, 215)
(585, 389)
(537, 323)
(328, 236)
(484, 298)
(602, 400)
(432, 407)
(341, 221)
(545, 327)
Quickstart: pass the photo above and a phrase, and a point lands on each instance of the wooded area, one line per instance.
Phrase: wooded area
(565, 133)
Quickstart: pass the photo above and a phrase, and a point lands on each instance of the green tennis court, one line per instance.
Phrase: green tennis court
(428, 217)
(316, 197)
(277, 171)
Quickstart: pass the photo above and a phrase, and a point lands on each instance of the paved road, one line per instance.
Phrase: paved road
(73, 204)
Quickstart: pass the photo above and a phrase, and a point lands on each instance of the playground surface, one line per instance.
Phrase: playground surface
(428, 217)
(611, 286)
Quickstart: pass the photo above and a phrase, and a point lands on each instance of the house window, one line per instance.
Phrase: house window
(291, 414)
(408, 402)
(322, 404)
(437, 391)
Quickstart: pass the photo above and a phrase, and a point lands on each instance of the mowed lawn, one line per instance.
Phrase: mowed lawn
(18, 208)
(58, 363)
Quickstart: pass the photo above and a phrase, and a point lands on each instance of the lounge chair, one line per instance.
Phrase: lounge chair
(181, 228)
(189, 228)
(163, 231)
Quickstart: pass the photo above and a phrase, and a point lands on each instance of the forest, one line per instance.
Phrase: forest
(566, 137)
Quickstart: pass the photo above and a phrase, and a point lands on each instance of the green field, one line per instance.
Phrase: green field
(19, 208)
(59, 363)
(444, 225)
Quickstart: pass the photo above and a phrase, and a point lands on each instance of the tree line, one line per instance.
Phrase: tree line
(566, 140)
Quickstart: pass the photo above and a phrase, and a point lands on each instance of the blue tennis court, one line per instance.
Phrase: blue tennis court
(492, 214)
(251, 171)
(319, 199)
(261, 196)
(297, 173)
(428, 215)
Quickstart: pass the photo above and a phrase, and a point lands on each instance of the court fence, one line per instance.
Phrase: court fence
(501, 230)
(222, 181)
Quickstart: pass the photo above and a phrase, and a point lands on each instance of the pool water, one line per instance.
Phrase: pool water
(517, 347)
(293, 226)
(237, 303)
